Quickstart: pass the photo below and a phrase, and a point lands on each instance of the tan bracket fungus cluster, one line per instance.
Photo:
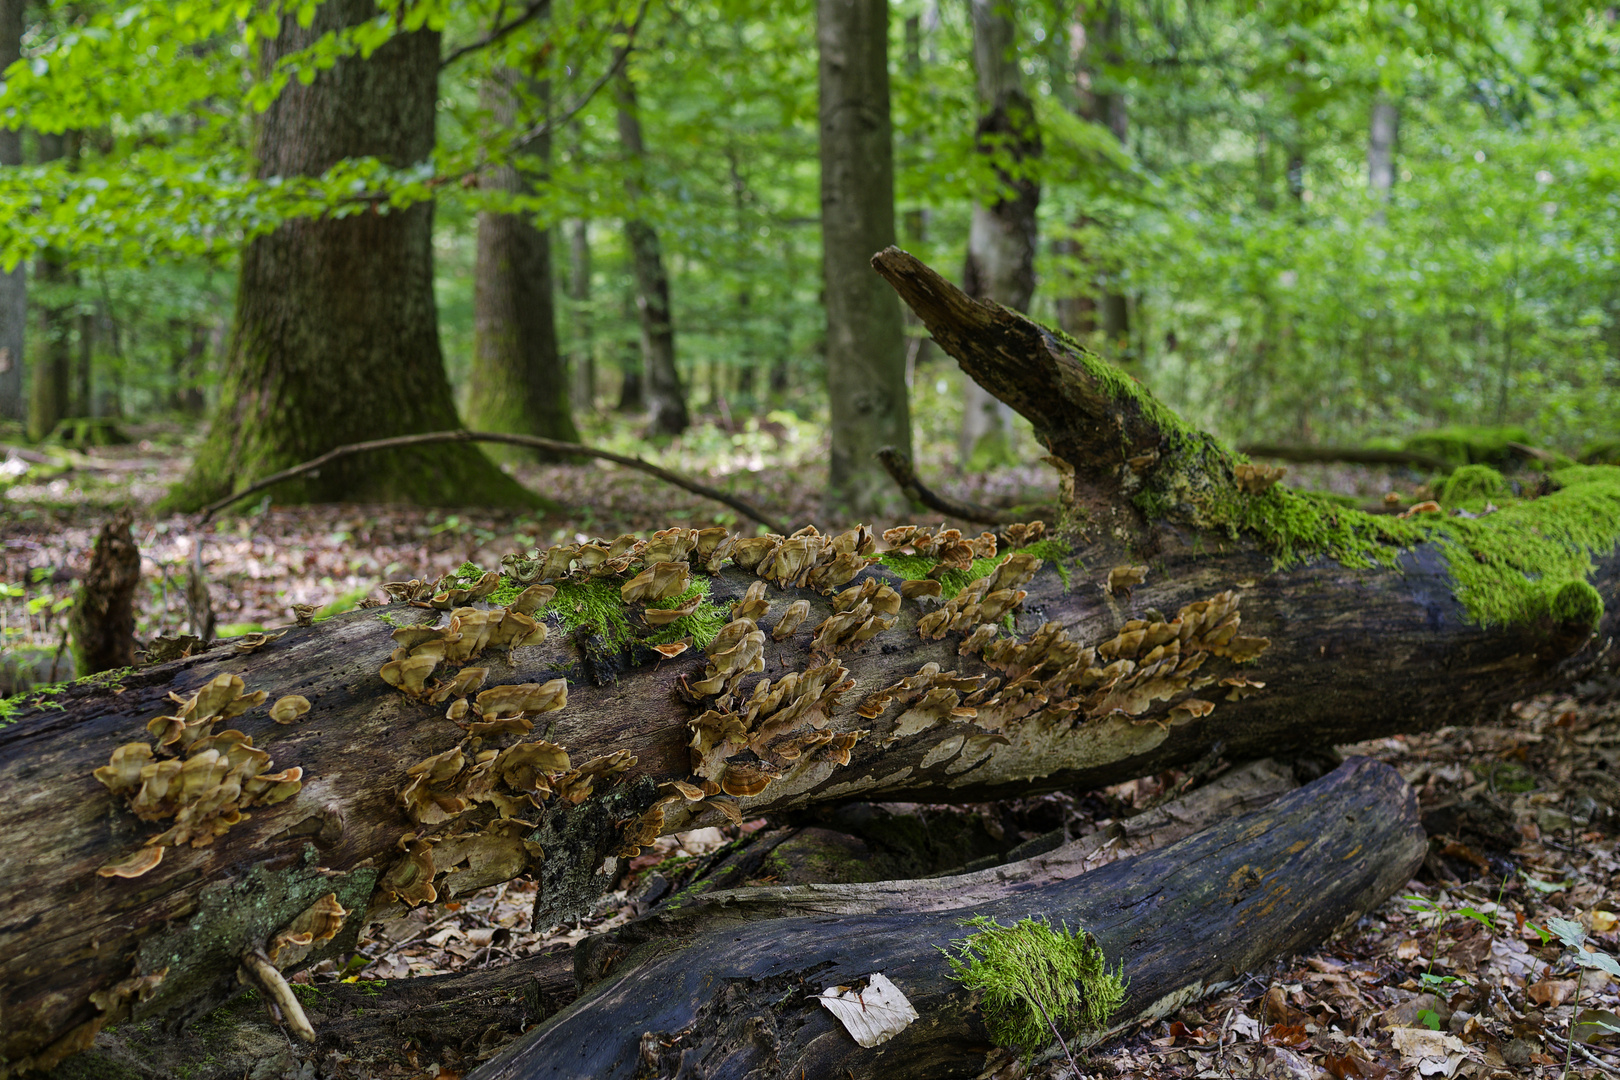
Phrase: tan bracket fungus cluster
(1147, 662)
(464, 636)
(985, 600)
(781, 725)
(205, 792)
(949, 546)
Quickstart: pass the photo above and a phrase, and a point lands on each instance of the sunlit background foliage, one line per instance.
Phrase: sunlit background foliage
(1271, 292)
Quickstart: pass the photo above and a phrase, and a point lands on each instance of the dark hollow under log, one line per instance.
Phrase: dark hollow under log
(737, 1001)
(1344, 654)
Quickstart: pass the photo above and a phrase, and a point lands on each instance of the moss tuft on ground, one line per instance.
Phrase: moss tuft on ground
(1036, 981)
(1473, 486)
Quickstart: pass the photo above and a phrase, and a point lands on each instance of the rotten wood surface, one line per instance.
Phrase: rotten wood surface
(737, 1000)
(1350, 654)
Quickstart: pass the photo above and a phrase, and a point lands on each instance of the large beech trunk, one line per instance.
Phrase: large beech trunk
(738, 1000)
(1344, 654)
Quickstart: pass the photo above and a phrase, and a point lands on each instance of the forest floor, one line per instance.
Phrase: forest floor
(1455, 976)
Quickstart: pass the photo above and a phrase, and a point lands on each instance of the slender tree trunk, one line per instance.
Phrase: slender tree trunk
(1002, 237)
(13, 285)
(518, 383)
(632, 366)
(1098, 303)
(336, 332)
(579, 296)
(866, 346)
(666, 398)
(84, 370)
(1381, 137)
(51, 383)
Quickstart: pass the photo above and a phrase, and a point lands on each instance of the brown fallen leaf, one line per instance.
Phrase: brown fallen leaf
(1287, 1035)
(1550, 993)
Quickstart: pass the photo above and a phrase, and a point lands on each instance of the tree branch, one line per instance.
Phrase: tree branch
(553, 445)
(900, 467)
(534, 10)
(555, 122)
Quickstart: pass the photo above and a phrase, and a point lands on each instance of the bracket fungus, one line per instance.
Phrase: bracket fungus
(791, 620)
(1256, 479)
(205, 793)
(753, 605)
(288, 709)
(1122, 579)
(319, 922)
(659, 581)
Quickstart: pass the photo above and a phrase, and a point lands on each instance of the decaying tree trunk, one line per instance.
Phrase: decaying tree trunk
(140, 892)
(739, 1000)
(103, 616)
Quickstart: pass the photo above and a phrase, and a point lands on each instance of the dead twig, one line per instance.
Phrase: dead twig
(555, 446)
(900, 467)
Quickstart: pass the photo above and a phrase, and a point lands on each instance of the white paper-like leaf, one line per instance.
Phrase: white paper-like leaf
(873, 1015)
(1434, 1053)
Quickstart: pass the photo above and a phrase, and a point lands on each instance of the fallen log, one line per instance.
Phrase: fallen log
(437, 745)
(740, 999)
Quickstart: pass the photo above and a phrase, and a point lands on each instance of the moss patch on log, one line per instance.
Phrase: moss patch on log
(1036, 981)
(910, 567)
(1527, 561)
(595, 605)
(1473, 486)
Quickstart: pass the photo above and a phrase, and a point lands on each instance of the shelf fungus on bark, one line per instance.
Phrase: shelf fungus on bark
(659, 581)
(1023, 534)
(753, 605)
(737, 650)
(1122, 579)
(319, 922)
(250, 643)
(1256, 479)
(113, 1005)
(204, 793)
(791, 620)
(288, 709)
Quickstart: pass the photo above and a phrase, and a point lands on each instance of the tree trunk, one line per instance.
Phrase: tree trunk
(336, 333)
(666, 398)
(1386, 116)
(866, 346)
(13, 285)
(518, 382)
(579, 295)
(103, 617)
(1424, 628)
(1181, 922)
(1001, 239)
(1093, 42)
(51, 384)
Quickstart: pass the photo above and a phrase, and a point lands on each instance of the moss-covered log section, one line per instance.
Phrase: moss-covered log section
(739, 999)
(583, 699)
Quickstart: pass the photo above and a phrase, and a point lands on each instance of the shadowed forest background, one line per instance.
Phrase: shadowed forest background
(1378, 241)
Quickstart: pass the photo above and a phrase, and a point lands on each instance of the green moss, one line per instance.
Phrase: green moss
(1473, 486)
(1507, 567)
(916, 567)
(1531, 559)
(42, 697)
(388, 620)
(1298, 525)
(1054, 551)
(1601, 452)
(595, 606)
(1035, 981)
(1467, 445)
